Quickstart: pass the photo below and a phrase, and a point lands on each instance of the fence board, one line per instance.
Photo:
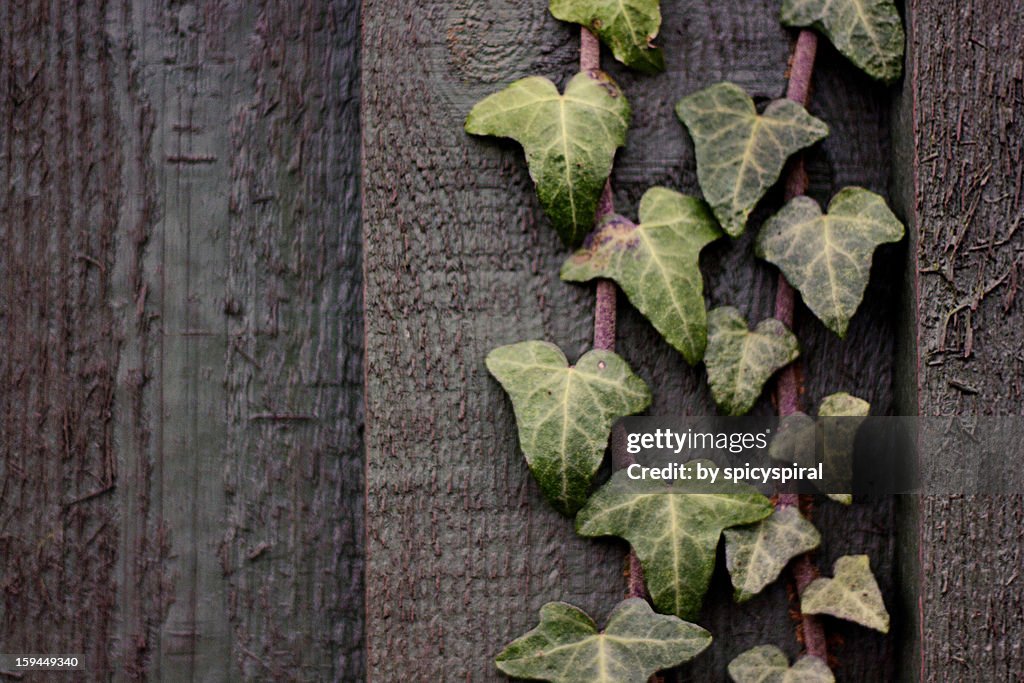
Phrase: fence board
(462, 551)
(960, 165)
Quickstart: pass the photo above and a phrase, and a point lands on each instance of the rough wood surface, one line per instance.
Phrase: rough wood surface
(59, 218)
(961, 163)
(462, 551)
(181, 475)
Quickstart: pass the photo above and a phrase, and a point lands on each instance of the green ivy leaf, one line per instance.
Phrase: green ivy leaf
(740, 154)
(569, 140)
(566, 646)
(626, 26)
(868, 32)
(675, 535)
(852, 594)
(757, 554)
(657, 264)
(828, 257)
(740, 361)
(842, 404)
(797, 439)
(769, 664)
(565, 413)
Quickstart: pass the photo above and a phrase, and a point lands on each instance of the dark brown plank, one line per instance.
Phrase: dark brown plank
(960, 164)
(461, 549)
(59, 216)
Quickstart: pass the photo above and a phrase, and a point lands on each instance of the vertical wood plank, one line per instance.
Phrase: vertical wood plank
(462, 551)
(959, 151)
(181, 485)
(60, 163)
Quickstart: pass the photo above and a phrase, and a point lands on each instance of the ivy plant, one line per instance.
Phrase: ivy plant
(756, 554)
(740, 360)
(827, 257)
(675, 535)
(656, 264)
(569, 139)
(740, 153)
(565, 412)
(566, 646)
(804, 440)
(628, 27)
(768, 664)
(868, 32)
(851, 594)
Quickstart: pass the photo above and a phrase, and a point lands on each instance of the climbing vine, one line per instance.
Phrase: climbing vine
(565, 411)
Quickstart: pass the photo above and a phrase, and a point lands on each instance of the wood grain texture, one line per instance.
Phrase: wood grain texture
(59, 218)
(181, 357)
(462, 551)
(960, 117)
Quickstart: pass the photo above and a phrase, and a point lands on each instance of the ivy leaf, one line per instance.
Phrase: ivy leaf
(797, 439)
(565, 413)
(740, 361)
(740, 154)
(769, 664)
(868, 32)
(757, 554)
(839, 438)
(675, 535)
(566, 646)
(828, 257)
(842, 404)
(626, 26)
(569, 140)
(794, 441)
(656, 263)
(852, 594)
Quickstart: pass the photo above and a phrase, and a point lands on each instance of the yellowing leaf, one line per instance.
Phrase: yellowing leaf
(842, 404)
(626, 26)
(566, 646)
(740, 361)
(757, 554)
(769, 664)
(565, 413)
(828, 257)
(675, 535)
(868, 32)
(740, 154)
(852, 594)
(657, 264)
(569, 140)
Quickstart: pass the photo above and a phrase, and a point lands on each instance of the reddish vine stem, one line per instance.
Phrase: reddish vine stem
(604, 305)
(604, 309)
(789, 387)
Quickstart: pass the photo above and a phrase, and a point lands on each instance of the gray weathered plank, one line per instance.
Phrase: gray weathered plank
(182, 474)
(461, 549)
(960, 164)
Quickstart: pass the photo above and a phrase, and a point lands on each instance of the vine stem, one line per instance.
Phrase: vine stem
(604, 305)
(604, 309)
(789, 387)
